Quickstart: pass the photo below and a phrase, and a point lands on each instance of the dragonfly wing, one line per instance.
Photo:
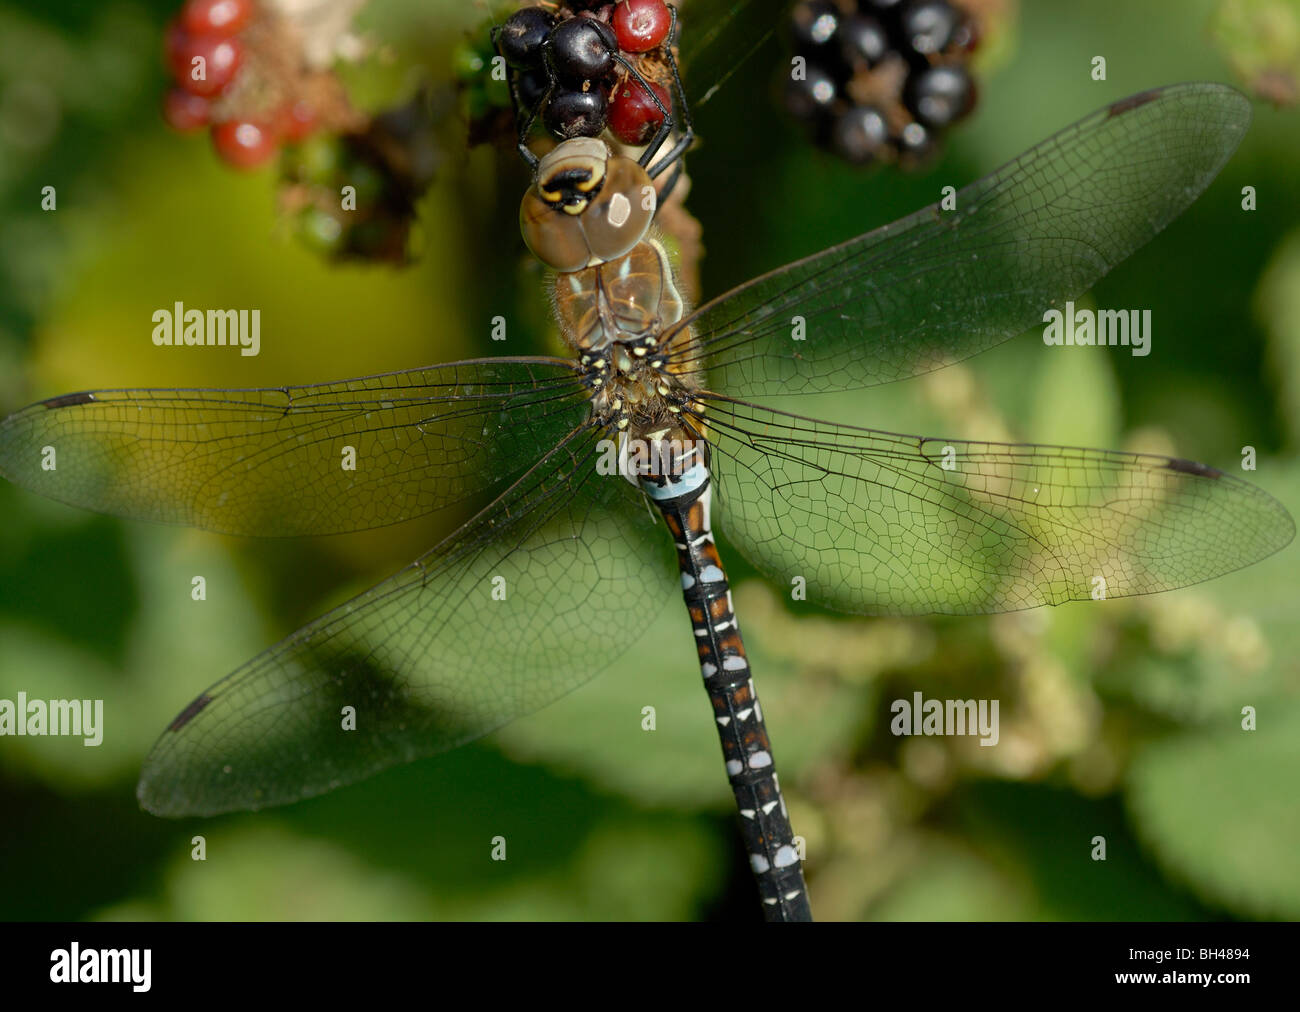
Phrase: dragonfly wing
(318, 459)
(881, 523)
(720, 36)
(523, 604)
(939, 286)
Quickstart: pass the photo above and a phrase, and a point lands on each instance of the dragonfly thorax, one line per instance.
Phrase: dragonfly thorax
(624, 300)
(588, 216)
(632, 388)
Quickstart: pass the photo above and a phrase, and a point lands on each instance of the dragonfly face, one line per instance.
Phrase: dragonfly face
(585, 206)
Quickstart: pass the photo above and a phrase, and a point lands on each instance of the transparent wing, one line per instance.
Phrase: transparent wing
(523, 604)
(939, 286)
(881, 523)
(319, 459)
(719, 36)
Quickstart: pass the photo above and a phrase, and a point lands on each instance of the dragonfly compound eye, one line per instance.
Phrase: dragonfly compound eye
(620, 215)
(586, 207)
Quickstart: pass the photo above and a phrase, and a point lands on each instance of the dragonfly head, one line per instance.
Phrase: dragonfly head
(586, 206)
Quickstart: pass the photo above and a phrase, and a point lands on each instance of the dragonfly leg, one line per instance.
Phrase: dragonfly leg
(683, 122)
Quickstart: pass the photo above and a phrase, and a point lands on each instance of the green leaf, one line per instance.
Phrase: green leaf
(1219, 812)
(1277, 307)
(598, 730)
(951, 884)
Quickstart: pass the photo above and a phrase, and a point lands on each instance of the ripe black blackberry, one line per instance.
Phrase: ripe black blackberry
(571, 66)
(880, 80)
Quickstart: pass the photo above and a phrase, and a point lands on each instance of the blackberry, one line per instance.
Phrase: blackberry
(881, 79)
(814, 24)
(860, 134)
(915, 142)
(634, 118)
(939, 96)
(863, 41)
(576, 113)
(582, 49)
(928, 27)
(532, 85)
(641, 26)
(522, 36)
(886, 10)
(811, 98)
(580, 56)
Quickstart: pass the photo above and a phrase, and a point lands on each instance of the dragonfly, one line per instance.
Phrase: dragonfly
(577, 535)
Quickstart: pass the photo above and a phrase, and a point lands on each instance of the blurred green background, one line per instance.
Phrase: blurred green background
(1119, 720)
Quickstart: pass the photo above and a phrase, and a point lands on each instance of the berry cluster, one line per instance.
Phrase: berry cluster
(260, 76)
(881, 79)
(571, 65)
(205, 50)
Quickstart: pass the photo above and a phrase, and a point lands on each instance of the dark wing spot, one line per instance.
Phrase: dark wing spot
(69, 400)
(190, 712)
(1183, 466)
(1134, 101)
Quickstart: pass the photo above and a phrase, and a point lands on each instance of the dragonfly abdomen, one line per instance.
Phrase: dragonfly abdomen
(684, 498)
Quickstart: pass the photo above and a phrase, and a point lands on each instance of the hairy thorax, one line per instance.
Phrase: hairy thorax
(620, 319)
